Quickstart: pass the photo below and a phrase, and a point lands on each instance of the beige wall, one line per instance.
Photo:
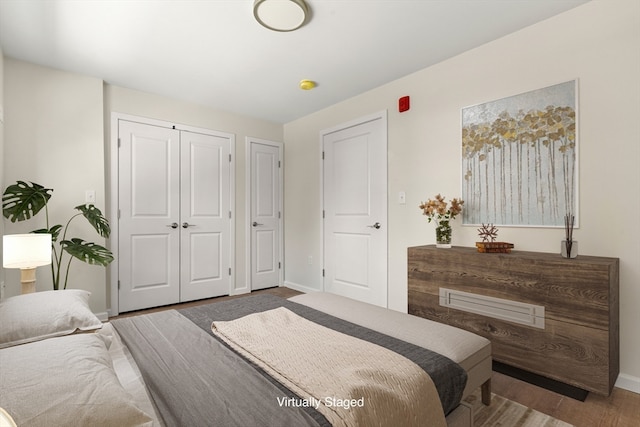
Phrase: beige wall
(54, 137)
(598, 43)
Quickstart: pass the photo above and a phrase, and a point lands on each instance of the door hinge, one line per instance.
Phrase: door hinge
(229, 158)
(323, 213)
(118, 213)
(323, 272)
(278, 163)
(229, 271)
(118, 284)
(279, 215)
(279, 265)
(229, 214)
(119, 142)
(323, 155)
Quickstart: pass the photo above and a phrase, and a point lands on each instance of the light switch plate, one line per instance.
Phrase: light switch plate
(402, 198)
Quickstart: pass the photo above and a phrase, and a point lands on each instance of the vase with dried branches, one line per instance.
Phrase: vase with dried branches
(569, 247)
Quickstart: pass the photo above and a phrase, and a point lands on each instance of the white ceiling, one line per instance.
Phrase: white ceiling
(213, 52)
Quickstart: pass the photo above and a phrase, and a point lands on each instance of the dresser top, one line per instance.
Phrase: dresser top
(469, 251)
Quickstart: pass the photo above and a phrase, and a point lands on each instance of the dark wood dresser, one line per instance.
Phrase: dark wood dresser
(545, 314)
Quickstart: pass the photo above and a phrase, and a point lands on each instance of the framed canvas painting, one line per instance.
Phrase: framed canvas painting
(519, 159)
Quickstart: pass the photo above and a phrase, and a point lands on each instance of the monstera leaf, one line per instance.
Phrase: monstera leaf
(96, 219)
(54, 231)
(88, 252)
(23, 200)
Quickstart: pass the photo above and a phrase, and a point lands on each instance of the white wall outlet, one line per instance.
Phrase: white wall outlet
(90, 196)
(402, 198)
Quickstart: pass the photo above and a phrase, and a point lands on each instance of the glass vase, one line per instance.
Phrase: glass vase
(443, 235)
(569, 248)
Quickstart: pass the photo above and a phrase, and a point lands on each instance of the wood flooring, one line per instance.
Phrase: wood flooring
(620, 409)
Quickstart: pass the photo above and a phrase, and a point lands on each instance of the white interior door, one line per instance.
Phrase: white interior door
(174, 207)
(149, 209)
(265, 215)
(355, 210)
(205, 215)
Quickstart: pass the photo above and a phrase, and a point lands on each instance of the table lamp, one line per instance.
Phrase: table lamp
(5, 419)
(26, 252)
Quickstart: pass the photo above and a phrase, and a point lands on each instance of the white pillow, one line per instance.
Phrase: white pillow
(40, 315)
(65, 381)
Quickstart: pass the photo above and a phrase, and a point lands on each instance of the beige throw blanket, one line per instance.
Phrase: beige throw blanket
(350, 381)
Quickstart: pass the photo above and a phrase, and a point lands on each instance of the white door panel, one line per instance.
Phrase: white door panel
(265, 215)
(353, 250)
(265, 245)
(355, 211)
(149, 195)
(205, 208)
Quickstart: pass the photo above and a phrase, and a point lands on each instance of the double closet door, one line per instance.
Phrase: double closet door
(174, 215)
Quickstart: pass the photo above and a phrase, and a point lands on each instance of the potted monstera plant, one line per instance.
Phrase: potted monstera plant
(24, 200)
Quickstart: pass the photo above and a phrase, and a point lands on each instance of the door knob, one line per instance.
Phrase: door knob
(376, 226)
(173, 225)
(187, 225)
(255, 224)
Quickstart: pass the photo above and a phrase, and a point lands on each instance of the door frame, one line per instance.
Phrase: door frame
(380, 115)
(112, 192)
(247, 150)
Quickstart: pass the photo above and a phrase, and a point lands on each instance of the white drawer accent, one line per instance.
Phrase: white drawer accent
(498, 308)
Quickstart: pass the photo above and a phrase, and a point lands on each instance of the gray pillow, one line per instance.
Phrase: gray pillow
(32, 317)
(65, 381)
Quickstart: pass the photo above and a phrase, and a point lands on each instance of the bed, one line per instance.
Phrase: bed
(337, 362)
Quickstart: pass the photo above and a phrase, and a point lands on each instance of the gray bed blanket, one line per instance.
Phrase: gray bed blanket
(449, 378)
(196, 380)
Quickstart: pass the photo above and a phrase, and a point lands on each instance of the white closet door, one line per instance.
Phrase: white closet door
(149, 208)
(265, 216)
(174, 231)
(205, 216)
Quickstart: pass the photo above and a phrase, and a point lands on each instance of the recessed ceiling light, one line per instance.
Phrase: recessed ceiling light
(281, 15)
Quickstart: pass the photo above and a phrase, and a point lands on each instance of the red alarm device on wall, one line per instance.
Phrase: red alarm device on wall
(403, 104)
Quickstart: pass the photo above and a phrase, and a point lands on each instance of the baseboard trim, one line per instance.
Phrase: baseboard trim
(299, 287)
(628, 382)
(102, 316)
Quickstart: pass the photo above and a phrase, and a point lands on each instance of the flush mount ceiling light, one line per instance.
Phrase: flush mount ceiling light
(307, 84)
(281, 15)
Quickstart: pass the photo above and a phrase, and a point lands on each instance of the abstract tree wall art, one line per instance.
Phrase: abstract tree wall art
(519, 158)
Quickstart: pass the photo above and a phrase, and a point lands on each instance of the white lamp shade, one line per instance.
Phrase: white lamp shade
(26, 250)
(280, 15)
